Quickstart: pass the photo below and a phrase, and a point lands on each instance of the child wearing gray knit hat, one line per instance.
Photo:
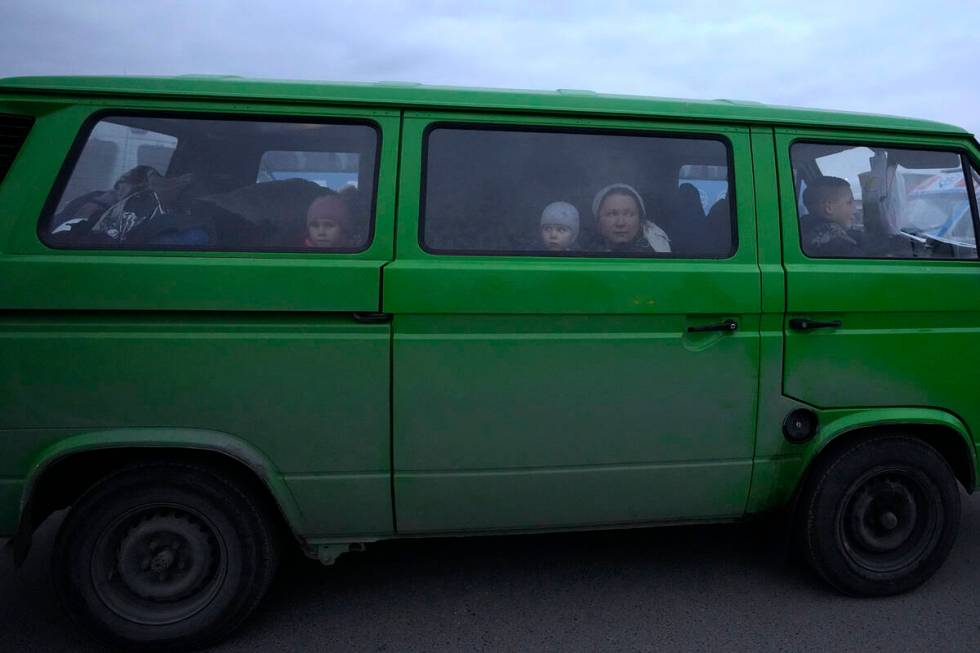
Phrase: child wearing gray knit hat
(559, 227)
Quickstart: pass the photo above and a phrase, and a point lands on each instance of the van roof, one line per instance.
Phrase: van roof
(418, 96)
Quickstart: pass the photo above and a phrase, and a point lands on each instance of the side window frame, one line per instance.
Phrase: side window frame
(89, 123)
(971, 170)
(791, 138)
(577, 128)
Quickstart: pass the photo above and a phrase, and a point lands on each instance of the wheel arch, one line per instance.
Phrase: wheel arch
(943, 431)
(61, 473)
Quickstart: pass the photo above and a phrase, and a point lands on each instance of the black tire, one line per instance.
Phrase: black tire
(164, 557)
(880, 517)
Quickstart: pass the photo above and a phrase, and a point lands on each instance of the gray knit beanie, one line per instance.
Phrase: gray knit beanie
(561, 213)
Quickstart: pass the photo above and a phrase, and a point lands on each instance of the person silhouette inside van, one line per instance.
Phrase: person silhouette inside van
(142, 207)
(830, 215)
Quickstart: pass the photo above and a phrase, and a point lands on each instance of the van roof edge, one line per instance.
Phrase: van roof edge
(402, 94)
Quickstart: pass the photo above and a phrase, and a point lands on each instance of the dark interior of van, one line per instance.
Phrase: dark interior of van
(485, 189)
(236, 184)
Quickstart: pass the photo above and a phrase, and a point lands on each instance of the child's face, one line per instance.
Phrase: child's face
(326, 222)
(840, 208)
(556, 237)
(325, 231)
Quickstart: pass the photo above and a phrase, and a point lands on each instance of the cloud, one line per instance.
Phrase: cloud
(871, 56)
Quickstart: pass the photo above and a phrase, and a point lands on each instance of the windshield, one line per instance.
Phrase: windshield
(930, 199)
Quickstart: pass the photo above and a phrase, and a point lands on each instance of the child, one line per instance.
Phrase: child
(559, 227)
(328, 223)
(827, 229)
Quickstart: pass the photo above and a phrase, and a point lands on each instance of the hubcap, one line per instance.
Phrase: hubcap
(159, 564)
(883, 515)
(165, 557)
(889, 520)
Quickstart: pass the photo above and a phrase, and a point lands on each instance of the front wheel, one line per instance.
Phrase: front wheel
(881, 516)
(163, 556)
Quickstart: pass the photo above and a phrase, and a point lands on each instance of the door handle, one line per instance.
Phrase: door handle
(727, 325)
(805, 324)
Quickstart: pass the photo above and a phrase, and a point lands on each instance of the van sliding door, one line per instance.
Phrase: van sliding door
(614, 382)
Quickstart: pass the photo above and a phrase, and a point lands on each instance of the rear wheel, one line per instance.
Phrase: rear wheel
(164, 556)
(880, 517)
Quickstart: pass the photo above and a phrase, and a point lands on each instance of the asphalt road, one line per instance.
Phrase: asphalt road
(705, 588)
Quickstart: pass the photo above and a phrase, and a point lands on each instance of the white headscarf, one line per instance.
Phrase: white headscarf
(600, 197)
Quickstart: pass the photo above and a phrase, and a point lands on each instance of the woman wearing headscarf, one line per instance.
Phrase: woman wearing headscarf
(622, 222)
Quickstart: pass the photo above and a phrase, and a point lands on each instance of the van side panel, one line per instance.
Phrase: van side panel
(302, 390)
(261, 346)
(555, 421)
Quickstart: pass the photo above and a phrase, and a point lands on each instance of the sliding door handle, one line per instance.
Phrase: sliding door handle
(727, 325)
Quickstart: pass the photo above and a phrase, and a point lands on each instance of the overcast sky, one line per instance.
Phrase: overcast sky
(915, 59)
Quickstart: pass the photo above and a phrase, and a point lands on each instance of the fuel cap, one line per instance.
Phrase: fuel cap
(800, 425)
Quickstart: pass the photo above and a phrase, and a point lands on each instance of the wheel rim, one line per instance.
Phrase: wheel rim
(159, 564)
(891, 519)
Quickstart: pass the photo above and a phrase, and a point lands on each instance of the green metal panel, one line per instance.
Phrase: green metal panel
(777, 461)
(776, 478)
(80, 281)
(837, 422)
(307, 392)
(544, 393)
(500, 285)
(21, 444)
(259, 347)
(33, 173)
(911, 328)
(570, 497)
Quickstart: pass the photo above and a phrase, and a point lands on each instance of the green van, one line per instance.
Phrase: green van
(238, 313)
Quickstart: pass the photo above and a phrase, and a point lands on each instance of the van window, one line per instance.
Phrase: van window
(711, 182)
(509, 192)
(111, 150)
(335, 170)
(859, 201)
(143, 182)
